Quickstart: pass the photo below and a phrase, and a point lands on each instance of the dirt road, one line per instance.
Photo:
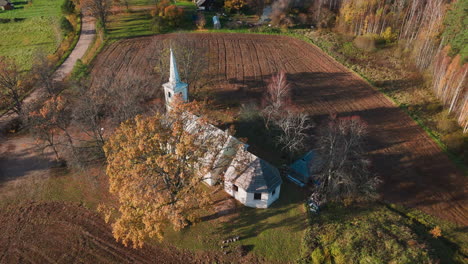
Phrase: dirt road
(87, 35)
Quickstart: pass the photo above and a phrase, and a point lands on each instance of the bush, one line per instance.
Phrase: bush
(388, 35)
(201, 21)
(80, 70)
(5, 20)
(445, 124)
(371, 233)
(454, 141)
(65, 25)
(349, 50)
(68, 7)
(366, 43)
(166, 16)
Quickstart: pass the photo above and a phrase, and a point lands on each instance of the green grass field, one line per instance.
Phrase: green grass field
(39, 30)
(273, 234)
(138, 23)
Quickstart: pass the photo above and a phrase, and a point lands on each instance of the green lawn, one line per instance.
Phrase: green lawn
(128, 25)
(39, 30)
(138, 23)
(273, 234)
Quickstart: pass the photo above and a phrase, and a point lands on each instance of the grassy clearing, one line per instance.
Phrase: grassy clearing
(376, 233)
(40, 29)
(273, 234)
(129, 25)
(138, 23)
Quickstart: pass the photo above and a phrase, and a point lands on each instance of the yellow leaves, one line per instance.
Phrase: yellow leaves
(436, 232)
(150, 169)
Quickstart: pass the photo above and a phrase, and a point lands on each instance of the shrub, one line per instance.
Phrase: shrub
(80, 70)
(65, 25)
(68, 7)
(349, 50)
(266, 29)
(445, 124)
(166, 16)
(5, 20)
(454, 141)
(366, 43)
(388, 35)
(201, 21)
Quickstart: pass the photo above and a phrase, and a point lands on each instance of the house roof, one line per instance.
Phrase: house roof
(301, 167)
(252, 173)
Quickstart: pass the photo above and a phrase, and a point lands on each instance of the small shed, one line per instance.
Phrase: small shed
(252, 181)
(6, 5)
(300, 169)
(204, 4)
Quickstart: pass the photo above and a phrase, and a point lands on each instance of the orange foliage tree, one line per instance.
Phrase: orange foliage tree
(166, 15)
(155, 170)
(49, 123)
(234, 5)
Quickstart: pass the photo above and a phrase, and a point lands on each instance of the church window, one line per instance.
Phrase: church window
(235, 188)
(257, 196)
(168, 94)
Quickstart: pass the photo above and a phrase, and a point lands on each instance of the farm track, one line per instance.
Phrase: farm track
(415, 171)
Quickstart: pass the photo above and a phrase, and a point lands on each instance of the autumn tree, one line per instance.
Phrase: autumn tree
(100, 9)
(48, 125)
(236, 5)
(165, 16)
(11, 87)
(154, 169)
(345, 169)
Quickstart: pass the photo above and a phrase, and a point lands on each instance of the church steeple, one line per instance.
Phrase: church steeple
(173, 72)
(175, 87)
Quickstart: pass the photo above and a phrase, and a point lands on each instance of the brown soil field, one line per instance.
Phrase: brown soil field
(58, 232)
(415, 171)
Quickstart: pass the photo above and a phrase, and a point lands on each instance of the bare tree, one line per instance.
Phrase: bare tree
(11, 88)
(192, 61)
(345, 171)
(43, 70)
(277, 98)
(89, 115)
(48, 122)
(100, 9)
(294, 127)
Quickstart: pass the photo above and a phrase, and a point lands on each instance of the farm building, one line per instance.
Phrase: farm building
(6, 5)
(299, 172)
(248, 178)
(204, 4)
(252, 181)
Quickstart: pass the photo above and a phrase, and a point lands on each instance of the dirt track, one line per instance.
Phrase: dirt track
(416, 172)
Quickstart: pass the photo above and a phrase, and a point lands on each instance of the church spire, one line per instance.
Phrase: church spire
(175, 87)
(174, 73)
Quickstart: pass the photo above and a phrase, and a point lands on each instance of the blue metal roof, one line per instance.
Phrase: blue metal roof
(301, 167)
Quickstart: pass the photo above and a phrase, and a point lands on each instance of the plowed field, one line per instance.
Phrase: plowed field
(416, 172)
